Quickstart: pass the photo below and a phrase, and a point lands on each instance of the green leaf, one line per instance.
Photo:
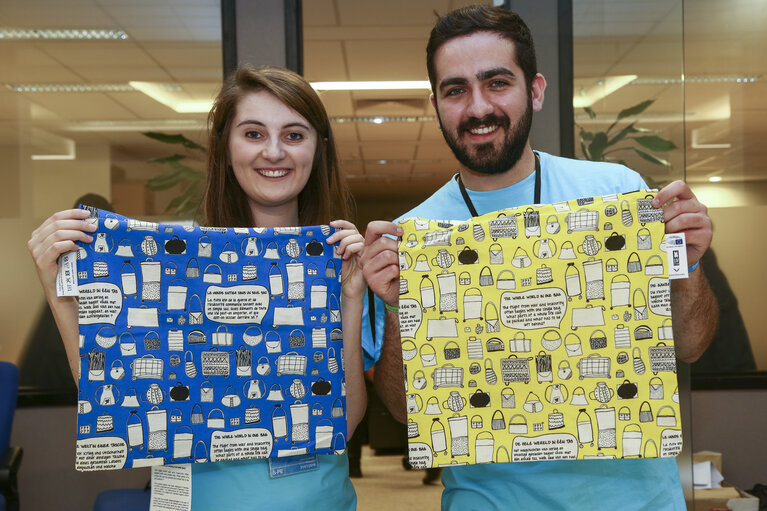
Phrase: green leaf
(590, 111)
(586, 136)
(631, 111)
(177, 174)
(175, 165)
(597, 146)
(622, 134)
(635, 110)
(186, 203)
(167, 159)
(653, 183)
(585, 151)
(173, 204)
(166, 180)
(177, 139)
(655, 143)
(652, 158)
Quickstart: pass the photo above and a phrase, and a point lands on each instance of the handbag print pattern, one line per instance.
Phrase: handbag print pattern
(565, 353)
(227, 352)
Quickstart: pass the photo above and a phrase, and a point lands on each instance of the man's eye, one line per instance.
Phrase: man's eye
(454, 92)
(498, 83)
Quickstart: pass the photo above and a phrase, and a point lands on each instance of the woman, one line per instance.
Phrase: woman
(271, 163)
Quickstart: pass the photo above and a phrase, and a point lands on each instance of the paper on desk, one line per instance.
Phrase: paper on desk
(706, 476)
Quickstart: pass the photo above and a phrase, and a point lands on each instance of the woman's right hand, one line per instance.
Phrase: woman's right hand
(57, 236)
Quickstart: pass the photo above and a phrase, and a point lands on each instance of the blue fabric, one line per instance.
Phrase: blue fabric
(214, 330)
(184, 259)
(601, 484)
(245, 485)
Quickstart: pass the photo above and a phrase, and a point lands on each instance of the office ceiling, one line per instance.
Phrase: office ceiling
(178, 42)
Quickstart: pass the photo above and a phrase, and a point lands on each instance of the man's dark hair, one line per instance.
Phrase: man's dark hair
(483, 18)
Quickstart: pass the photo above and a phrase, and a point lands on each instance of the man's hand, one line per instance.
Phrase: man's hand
(683, 213)
(693, 304)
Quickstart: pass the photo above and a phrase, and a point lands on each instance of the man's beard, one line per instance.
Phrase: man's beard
(486, 158)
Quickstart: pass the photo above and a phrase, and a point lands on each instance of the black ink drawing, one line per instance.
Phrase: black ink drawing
(172, 335)
(496, 326)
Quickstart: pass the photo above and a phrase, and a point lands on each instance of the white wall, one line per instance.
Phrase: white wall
(44, 187)
(740, 246)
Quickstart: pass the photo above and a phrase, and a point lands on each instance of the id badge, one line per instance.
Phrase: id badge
(291, 465)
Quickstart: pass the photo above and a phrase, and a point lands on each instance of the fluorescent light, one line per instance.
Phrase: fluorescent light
(383, 119)
(53, 156)
(698, 134)
(7, 33)
(170, 98)
(587, 94)
(130, 126)
(742, 79)
(715, 179)
(53, 147)
(33, 87)
(392, 85)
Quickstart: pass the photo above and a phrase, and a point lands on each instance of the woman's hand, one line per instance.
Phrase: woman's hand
(349, 248)
(57, 236)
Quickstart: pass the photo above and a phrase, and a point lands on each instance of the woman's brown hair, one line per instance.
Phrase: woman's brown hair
(325, 196)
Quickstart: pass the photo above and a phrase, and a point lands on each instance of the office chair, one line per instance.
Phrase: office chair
(10, 460)
(133, 499)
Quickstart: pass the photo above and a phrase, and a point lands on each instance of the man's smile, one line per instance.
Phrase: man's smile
(483, 130)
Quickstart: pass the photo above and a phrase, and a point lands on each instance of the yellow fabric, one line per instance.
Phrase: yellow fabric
(516, 326)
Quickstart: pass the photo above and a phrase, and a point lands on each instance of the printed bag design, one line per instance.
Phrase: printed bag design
(201, 343)
(539, 348)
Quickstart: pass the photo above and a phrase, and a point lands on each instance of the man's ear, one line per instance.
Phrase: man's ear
(538, 87)
(434, 104)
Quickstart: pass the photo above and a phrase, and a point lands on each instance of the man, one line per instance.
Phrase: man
(485, 86)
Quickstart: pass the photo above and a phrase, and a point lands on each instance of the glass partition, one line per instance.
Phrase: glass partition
(725, 93)
(81, 83)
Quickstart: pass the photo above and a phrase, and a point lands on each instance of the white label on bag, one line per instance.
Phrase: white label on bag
(676, 253)
(171, 488)
(66, 278)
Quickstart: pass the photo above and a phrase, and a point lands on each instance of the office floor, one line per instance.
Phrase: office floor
(385, 485)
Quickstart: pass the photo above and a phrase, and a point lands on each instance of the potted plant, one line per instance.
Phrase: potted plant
(183, 171)
(608, 145)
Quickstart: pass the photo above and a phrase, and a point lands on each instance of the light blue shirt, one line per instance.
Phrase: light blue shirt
(246, 485)
(594, 485)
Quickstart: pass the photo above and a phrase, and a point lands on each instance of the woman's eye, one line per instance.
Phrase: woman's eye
(252, 134)
(295, 136)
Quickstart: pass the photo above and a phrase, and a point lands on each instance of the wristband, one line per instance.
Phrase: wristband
(392, 308)
(693, 267)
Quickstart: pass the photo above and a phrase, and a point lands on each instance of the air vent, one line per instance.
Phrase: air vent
(390, 106)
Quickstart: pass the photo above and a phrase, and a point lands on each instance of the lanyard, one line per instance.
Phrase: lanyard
(536, 198)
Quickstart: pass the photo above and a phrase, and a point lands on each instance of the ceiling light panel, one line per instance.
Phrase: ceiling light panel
(67, 34)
